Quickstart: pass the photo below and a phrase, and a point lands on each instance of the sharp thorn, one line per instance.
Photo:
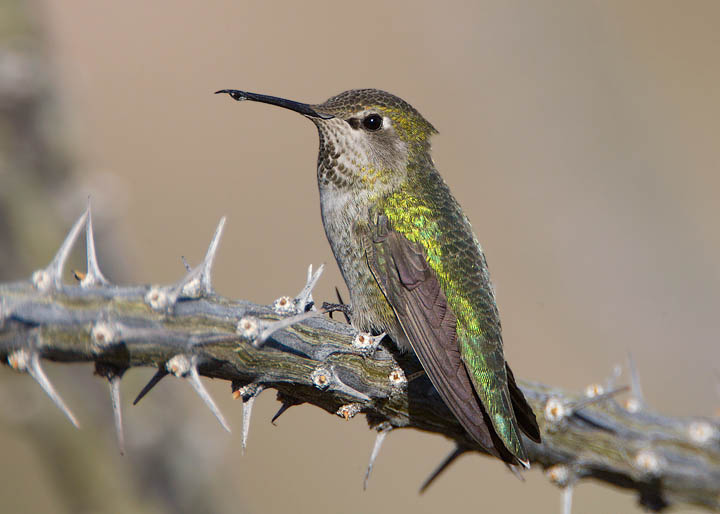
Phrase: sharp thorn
(635, 387)
(51, 277)
(185, 263)
(117, 411)
(339, 385)
(35, 370)
(247, 413)
(210, 255)
(285, 406)
(93, 276)
(379, 440)
(304, 297)
(207, 338)
(612, 380)
(351, 392)
(5, 312)
(194, 379)
(457, 452)
(114, 374)
(597, 399)
(567, 495)
(274, 326)
(285, 403)
(198, 281)
(248, 392)
(157, 377)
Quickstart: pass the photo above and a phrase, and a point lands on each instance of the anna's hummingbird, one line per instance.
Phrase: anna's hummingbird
(410, 259)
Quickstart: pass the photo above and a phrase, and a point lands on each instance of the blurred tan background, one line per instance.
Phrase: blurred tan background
(580, 137)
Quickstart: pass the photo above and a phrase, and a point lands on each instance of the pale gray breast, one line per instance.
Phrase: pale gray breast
(345, 202)
(344, 216)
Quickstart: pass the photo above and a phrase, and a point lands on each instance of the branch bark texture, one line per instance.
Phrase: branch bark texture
(316, 360)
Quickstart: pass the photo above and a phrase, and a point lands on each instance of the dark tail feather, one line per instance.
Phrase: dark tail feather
(523, 412)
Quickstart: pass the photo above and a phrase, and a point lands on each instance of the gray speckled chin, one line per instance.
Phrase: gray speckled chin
(337, 160)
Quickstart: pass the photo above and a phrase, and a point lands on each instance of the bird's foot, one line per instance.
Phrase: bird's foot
(329, 308)
(341, 306)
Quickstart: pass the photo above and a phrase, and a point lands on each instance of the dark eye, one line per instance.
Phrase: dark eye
(372, 122)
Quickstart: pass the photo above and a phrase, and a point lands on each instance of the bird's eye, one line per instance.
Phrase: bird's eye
(373, 122)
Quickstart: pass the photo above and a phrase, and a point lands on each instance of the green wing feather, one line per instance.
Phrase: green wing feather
(402, 272)
(431, 223)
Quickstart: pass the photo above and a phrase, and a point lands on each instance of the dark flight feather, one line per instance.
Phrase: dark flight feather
(412, 289)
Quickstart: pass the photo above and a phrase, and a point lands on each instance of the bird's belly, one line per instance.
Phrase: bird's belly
(371, 311)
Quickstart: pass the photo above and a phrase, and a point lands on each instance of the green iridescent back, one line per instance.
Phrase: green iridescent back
(425, 211)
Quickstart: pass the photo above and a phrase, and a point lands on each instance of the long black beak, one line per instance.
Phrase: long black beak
(304, 109)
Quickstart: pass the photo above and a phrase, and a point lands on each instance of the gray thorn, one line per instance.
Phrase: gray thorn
(51, 277)
(248, 393)
(113, 375)
(283, 407)
(157, 377)
(117, 411)
(304, 297)
(247, 413)
(457, 452)
(353, 393)
(208, 338)
(4, 312)
(379, 440)
(609, 383)
(567, 495)
(635, 387)
(94, 276)
(210, 255)
(340, 386)
(324, 378)
(194, 379)
(581, 404)
(35, 370)
(198, 281)
(195, 284)
(268, 329)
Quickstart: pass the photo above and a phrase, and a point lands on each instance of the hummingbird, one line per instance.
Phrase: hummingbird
(411, 261)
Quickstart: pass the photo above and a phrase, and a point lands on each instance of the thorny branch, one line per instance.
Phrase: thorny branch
(186, 330)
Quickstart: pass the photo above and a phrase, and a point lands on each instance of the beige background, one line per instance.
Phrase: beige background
(580, 137)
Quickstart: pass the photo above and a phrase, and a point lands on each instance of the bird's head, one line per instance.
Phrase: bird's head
(367, 136)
